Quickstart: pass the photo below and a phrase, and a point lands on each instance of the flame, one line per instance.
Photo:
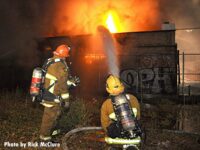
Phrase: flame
(112, 22)
(90, 58)
(83, 17)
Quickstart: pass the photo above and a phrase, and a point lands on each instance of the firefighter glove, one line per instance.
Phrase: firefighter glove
(113, 130)
(73, 81)
(76, 80)
(65, 105)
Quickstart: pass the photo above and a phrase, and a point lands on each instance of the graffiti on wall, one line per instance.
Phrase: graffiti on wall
(150, 80)
(153, 74)
(157, 61)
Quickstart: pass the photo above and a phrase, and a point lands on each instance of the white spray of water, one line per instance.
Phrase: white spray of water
(110, 50)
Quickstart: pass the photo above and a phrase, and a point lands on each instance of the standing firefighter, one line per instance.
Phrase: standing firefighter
(54, 92)
(119, 113)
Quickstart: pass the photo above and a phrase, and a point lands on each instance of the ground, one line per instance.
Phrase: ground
(20, 122)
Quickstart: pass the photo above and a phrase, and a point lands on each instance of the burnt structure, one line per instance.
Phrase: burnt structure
(147, 60)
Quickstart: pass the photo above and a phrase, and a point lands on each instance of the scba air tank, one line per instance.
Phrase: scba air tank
(36, 81)
(124, 112)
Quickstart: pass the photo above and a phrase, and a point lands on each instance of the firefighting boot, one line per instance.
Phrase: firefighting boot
(45, 138)
(56, 132)
(130, 147)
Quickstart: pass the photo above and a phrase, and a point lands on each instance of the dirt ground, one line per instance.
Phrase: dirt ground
(155, 140)
(167, 127)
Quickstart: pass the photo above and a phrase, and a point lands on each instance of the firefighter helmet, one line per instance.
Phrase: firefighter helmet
(62, 51)
(113, 85)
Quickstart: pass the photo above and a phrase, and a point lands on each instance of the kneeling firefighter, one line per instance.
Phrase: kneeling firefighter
(50, 85)
(120, 112)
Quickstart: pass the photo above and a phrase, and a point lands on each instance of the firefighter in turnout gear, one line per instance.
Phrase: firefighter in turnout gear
(55, 94)
(120, 112)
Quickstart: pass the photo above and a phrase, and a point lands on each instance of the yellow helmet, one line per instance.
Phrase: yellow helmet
(113, 85)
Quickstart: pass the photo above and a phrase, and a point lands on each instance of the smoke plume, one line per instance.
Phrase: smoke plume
(185, 15)
(23, 23)
(84, 16)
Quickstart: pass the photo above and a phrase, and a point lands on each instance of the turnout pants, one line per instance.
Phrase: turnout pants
(50, 120)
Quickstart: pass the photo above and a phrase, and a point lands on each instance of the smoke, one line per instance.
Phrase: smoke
(185, 14)
(84, 16)
(80, 17)
(23, 23)
(110, 50)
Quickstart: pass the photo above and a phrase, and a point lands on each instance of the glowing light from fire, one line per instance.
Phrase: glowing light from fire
(112, 22)
(116, 15)
(90, 58)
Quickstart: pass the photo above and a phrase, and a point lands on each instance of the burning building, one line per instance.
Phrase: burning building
(146, 61)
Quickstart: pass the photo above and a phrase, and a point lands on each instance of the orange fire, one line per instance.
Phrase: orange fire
(112, 22)
(90, 58)
(83, 17)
